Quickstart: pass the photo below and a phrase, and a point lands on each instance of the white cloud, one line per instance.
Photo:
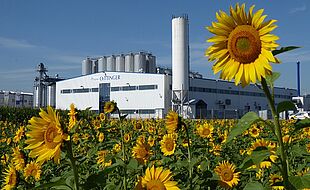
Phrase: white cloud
(298, 9)
(13, 43)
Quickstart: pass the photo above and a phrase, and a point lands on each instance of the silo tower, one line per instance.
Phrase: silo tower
(180, 63)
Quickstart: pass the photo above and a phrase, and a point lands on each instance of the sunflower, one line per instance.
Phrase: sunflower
(205, 130)
(138, 125)
(141, 152)
(45, 136)
(158, 178)
(275, 178)
(227, 174)
(308, 147)
(18, 159)
(117, 148)
(32, 169)
(254, 131)
(102, 117)
(19, 134)
(72, 119)
(10, 176)
(167, 144)
(151, 141)
(173, 121)
(242, 45)
(100, 137)
(127, 137)
(109, 107)
(101, 158)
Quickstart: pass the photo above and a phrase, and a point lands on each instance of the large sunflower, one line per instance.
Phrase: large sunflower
(45, 136)
(172, 121)
(18, 159)
(242, 45)
(141, 152)
(227, 174)
(167, 144)
(10, 176)
(32, 169)
(158, 178)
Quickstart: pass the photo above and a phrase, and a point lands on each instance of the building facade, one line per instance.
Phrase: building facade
(16, 99)
(149, 95)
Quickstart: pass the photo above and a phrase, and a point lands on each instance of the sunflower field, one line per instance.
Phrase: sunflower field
(83, 150)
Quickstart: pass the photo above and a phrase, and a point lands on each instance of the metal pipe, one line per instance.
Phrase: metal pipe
(298, 78)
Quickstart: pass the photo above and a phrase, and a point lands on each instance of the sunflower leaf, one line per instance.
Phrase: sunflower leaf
(244, 123)
(302, 124)
(270, 79)
(254, 185)
(285, 106)
(300, 182)
(284, 49)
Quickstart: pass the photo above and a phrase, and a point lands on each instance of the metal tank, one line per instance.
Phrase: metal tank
(111, 63)
(51, 98)
(180, 58)
(152, 63)
(102, 64)
(86, 66)
(94, 66)
(140, 62)
(129, 64)
(120, 63)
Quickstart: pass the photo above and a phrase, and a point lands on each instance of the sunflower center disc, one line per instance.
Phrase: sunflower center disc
(49, 135)
(169, 145)
(244, 44)
(227, 175)
(206, 132)
(155, 185)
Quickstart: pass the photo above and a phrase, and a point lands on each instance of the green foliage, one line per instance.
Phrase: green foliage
(285, 106)
(244, 123)
(300, 182)
(302, 124)
(270, 79)
(254, 185)
(284, 49)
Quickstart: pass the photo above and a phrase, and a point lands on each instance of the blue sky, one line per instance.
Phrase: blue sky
(62, 33)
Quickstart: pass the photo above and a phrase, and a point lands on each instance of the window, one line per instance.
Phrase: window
(115, 89)
(147, 87)
(127, 88)
(81, 90)
(147, 111)
(94, 90)
(65, 91)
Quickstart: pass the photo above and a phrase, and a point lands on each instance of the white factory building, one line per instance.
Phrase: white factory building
(143, 90)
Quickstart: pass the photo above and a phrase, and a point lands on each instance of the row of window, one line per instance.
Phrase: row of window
(128, 88)
(78, 90)
(144, 111)
(235, 92)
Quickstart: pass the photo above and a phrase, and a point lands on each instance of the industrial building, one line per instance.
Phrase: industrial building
(16, 99)
(143, 90)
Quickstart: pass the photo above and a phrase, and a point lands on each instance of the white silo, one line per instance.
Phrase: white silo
(129, 64)
(139, 62)
(120, 63)
(111, 63)
(102, 64)
(94, 66)
(180, 63)
(86, 66)
(152, 63)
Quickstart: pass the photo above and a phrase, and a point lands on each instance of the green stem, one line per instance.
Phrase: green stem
(123, 149)
(73, 165)
(190, 169)
(275, 115)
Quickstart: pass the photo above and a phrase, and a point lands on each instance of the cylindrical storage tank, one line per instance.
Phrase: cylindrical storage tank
(94, 66)
(129, 64)
(111, 63)
(180, 65)
(120, 63)
(140, 61)
(36, 97)
(86, 66)
(152, 63)
(102, 64)
(51, 101)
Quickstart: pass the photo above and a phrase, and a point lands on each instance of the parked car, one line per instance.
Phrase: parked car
(299, 115)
